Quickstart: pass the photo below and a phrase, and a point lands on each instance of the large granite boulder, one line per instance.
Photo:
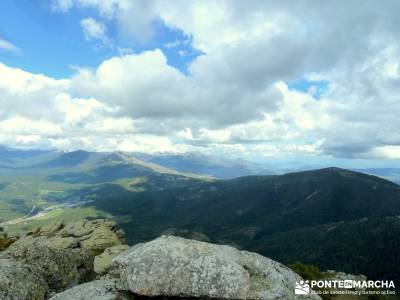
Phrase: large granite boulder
(187, 234)
(60, 257)
(60, 268)
(20, 281)
(64, 251)
(95, 290)
(171, 266)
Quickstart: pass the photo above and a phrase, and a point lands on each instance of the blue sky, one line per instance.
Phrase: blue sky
(52, 42)
(318, 88)
(259, 80)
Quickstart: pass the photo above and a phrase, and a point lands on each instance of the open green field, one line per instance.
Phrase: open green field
(55, 215)
(21, 191)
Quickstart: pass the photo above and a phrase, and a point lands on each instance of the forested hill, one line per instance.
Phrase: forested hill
(248, 208)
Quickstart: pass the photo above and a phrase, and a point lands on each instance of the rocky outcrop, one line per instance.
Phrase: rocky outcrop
(59, 267)
(340, 276)
(63, 253)
(94, 235)
(57, 262)
(187, 234)
(104, 262)
(5, 240)
(95, 290)
(100, 239)
(172, 266)
(20, 281)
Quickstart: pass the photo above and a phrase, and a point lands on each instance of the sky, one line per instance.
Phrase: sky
(316, 81)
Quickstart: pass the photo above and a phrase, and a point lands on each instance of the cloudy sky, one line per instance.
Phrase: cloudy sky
(252, 79)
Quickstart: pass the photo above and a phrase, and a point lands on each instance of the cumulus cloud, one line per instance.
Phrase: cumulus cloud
(40, 111)
(94, 30)
(237, 95)
(144, 86)
(141, 85)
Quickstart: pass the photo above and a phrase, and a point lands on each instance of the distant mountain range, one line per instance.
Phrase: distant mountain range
(337, 219)
(46, 178)
(331, 217)
(212, 166)
(188, 163)
(392, 174)
(255, 206)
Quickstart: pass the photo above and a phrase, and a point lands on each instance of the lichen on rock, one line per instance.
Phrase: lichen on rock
(20, 281)
(103, 262)
(172, 266)
(58, 261)
(63, 253)
(59, 267)
(95, 290)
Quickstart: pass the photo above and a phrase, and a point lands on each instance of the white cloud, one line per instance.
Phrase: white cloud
(62, 5)
(177, 43)
(94, 30)
(392, 152)
(40, 111)
(21, 126)
(139, 85)
(145, 86)
(235, 97)
(7, 46)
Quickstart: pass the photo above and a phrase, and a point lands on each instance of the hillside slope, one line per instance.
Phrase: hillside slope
(368, 246)
(55, 178)
(331, 218)
(246, 209)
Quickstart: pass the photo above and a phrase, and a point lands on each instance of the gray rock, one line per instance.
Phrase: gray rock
(95, 290)
(103, 262)
(62, 253)
(63, 243)
(187, 234)
(172, 266)
(121, 234)
(59, 267)
(77, 228)
(100, 239)
(20, 281)
(340, 276)
(92, 235)
(52, 227)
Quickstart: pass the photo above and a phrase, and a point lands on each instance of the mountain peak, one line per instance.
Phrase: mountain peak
(69, 159)
(337, 170)
(118, 156)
